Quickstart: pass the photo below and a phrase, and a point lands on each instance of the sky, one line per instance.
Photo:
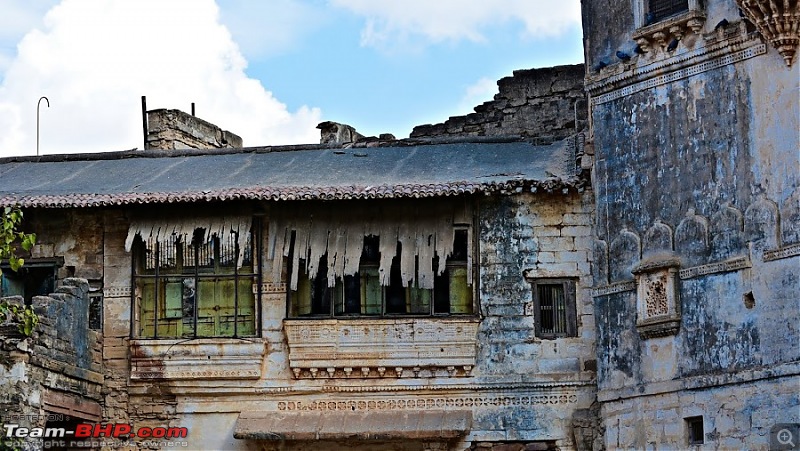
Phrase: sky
(267, 70)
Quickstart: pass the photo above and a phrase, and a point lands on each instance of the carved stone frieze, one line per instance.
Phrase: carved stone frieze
(381, 348)
(784, 252)
(117, 292)
(777, 21)
(419, 402)
(714, 268)
(196, 359)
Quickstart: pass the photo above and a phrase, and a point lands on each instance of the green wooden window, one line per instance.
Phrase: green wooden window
(362, 294)
(195, 288)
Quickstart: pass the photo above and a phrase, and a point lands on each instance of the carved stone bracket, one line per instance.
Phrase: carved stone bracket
(381, 348)
(777, 21)
(662, 33)
(658, 311)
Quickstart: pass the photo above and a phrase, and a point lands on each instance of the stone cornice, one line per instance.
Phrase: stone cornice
(629, 79)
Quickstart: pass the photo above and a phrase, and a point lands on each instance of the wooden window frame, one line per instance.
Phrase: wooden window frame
(569, 287)
(197, 272)
(433, 311)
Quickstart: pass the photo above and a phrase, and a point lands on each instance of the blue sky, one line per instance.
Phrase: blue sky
(267, 70)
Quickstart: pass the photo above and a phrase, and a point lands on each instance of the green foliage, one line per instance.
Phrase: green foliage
(10, 238)
(23, 316)
(10, 219)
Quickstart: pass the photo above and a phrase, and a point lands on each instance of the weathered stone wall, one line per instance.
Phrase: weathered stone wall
(736, 415)
(696, 165)
(523, 238)
(74, 235)
(174, 129)
(57, 372)
(547, 104)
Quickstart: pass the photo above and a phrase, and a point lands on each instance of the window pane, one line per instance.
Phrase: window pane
(347, 296)
(371, 290)
(460, 294)
(419, 300)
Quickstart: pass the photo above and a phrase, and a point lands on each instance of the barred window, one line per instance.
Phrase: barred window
(196, 285)
(364, 294)
(554, 308)
(658, 10)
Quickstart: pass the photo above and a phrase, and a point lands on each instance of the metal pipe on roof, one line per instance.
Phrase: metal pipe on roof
(37, 120)
(144, 120)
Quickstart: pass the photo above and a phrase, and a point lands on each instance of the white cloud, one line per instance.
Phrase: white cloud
(395, 23)
(94, 59)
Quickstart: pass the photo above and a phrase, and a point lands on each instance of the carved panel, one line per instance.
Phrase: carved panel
(658, 307)
(117, 292)
(196, 359)
(372, 348)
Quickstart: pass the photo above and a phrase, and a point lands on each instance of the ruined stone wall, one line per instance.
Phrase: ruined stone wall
(696, 179)
(547, 104)
(174, 129)
(57, 372)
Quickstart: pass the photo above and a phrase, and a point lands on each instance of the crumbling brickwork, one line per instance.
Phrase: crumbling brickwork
(57, 372)
(174, 129)
(546, 104)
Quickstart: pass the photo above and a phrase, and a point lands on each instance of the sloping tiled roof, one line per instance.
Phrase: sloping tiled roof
(405, 168)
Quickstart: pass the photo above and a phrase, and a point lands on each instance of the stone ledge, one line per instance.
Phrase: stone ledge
(196, 359)
(701, 382)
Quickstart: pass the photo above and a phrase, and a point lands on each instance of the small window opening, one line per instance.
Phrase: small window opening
(554, 308)
(694, 429)
(658, 10)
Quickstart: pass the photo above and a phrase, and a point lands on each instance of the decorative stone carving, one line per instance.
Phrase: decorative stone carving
(727, 238)
(777, 21)
(761, 223)
(381, 348)
(197, 359)
(624, 253)
(657, 304)
(662, 33)
(691, 239)
(657, 239)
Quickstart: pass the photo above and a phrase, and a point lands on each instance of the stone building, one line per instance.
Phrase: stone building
(603, 256)
(695, 126)
(427, 293)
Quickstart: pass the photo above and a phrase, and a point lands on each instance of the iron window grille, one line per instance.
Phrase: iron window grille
(197, 288)
(658, 10)
(694, 430)
(554, 308)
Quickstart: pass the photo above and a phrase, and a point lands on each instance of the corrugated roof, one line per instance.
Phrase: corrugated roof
(403, 169)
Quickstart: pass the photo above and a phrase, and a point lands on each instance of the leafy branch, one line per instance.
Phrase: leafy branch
(10, 238)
